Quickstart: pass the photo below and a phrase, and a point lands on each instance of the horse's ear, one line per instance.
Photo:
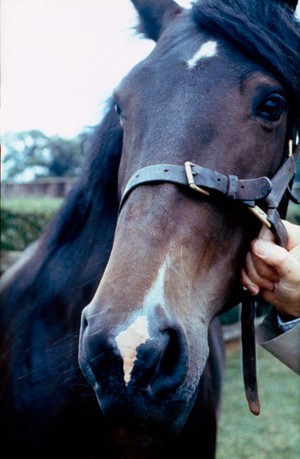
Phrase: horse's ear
(154, 14)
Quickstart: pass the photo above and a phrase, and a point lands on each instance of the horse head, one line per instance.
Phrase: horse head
(217, 91)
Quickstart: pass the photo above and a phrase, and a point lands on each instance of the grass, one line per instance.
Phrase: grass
(275, 433)
(29, 205)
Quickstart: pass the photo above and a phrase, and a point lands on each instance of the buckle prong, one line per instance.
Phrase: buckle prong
(190, 178)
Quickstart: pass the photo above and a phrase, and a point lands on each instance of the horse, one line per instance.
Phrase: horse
(111, 344)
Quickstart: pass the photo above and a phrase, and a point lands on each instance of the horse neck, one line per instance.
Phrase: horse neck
(79, 239)
(81, 246)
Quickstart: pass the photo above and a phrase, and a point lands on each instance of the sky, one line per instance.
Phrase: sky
(61, 60)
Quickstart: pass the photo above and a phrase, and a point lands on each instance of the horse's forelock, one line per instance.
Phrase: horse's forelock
(265, 30)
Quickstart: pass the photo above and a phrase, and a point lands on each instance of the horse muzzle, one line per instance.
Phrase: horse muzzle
(138, 368)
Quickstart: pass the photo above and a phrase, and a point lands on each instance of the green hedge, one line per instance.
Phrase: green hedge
(23, 220)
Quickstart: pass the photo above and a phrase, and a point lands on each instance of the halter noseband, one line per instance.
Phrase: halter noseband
(268, 192)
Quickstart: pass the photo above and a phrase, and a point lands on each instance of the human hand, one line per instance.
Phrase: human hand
(274, 271)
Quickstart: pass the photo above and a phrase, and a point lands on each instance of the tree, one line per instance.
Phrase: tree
(31, 155)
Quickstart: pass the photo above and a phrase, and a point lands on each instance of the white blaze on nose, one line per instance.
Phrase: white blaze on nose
(207, 49)
(156, 294)
(137, 333)
(129, 340)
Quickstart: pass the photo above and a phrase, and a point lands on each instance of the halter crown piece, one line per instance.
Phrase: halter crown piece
(269, 193)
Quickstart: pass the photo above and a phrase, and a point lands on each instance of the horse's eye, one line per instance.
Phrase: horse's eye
(119, 111)
(117, 108)
(272, 108)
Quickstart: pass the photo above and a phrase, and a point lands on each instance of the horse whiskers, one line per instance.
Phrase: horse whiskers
(62, 341)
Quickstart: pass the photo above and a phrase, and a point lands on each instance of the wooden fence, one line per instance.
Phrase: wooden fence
(53, 187)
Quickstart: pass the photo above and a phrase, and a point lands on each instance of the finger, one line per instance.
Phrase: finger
(269, 297)
(281, 299)
(246, 282)
(266, 234)
(263, 269)
(269, 253)
(254, 275)
(295, 252)
(287, 266)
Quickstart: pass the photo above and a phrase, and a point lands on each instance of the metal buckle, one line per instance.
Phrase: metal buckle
(256, 210)
(190, 178)
(261, 215)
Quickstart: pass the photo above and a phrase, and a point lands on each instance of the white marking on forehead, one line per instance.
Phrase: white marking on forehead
(137, 333)
(207, 49)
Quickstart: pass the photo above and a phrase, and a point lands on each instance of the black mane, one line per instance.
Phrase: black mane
(91, 208)
(96, 185)
(264, 30)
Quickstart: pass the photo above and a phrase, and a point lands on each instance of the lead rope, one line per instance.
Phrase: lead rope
(249, 352)
(248, 327)
(248, 310)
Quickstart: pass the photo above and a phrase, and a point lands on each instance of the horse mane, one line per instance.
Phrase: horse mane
(96, 185)
(266, 31)
(83, 229)
(75, 246)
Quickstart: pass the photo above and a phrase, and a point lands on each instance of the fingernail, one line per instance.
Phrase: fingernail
(254, 289)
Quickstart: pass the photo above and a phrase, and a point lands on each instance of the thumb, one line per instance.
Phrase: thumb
(273, 255)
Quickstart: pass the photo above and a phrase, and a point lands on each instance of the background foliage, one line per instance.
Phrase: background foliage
(23, 220)
(32, 154)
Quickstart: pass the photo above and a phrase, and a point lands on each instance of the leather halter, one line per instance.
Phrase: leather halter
(203, 180)
(269, 194)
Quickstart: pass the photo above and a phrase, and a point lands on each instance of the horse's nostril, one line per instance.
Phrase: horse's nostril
(172, 368)
(171, 355)
(84, 323)
(161, 362)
